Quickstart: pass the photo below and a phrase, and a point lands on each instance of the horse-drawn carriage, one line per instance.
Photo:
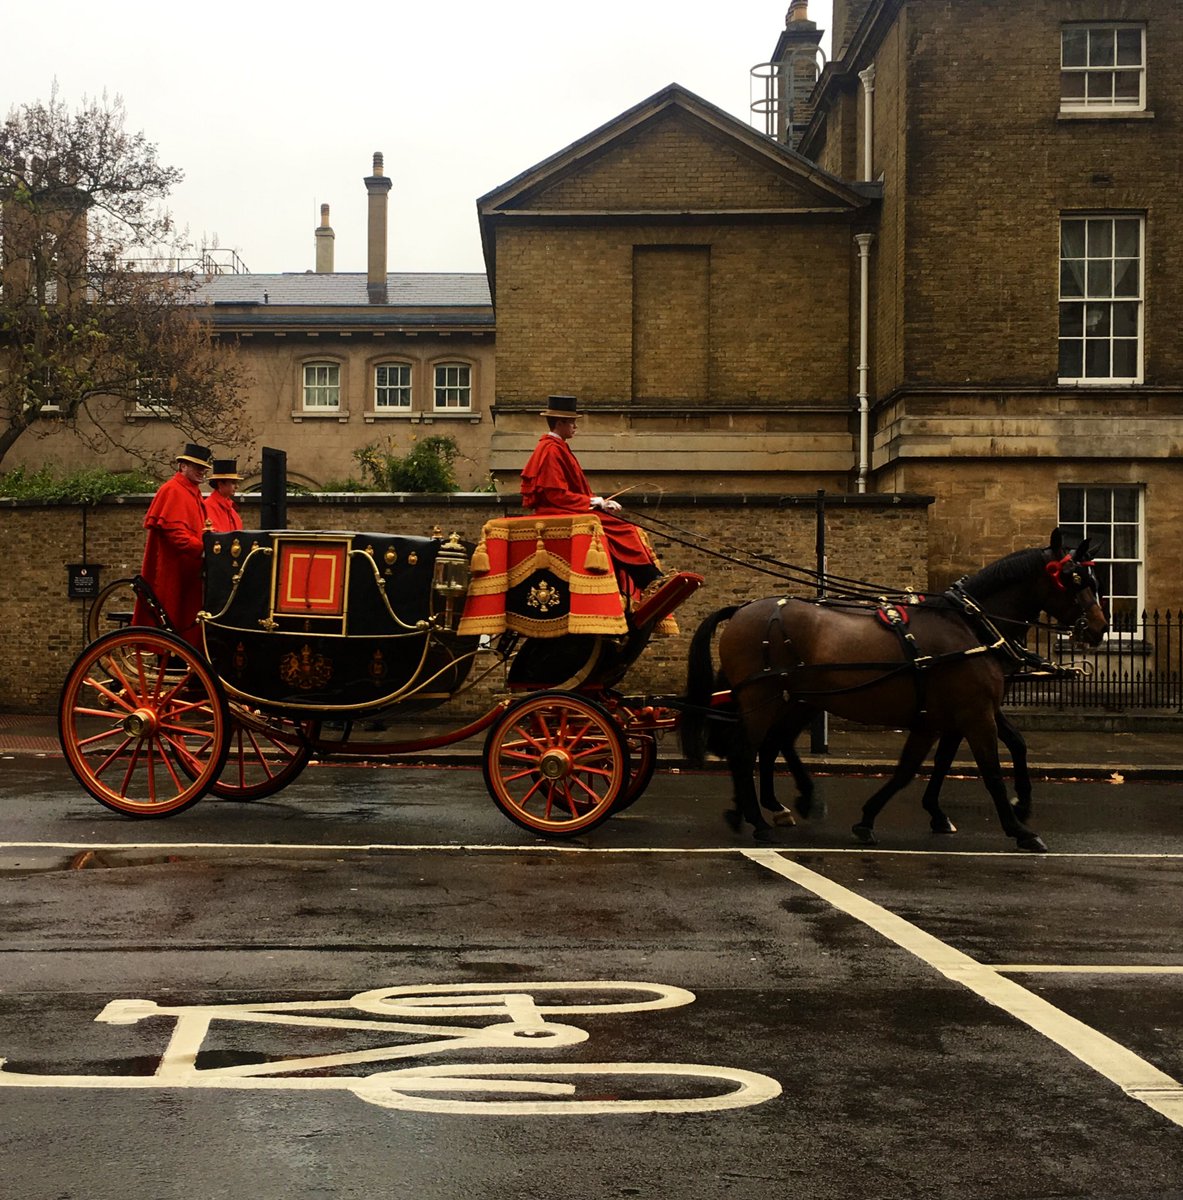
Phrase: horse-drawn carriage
(307, 636)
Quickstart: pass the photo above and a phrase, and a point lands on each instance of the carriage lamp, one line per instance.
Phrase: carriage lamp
(450, 581)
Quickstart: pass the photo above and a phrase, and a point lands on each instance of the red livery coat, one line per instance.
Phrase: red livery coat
(553, 484)
(222, 513)
(173, 556)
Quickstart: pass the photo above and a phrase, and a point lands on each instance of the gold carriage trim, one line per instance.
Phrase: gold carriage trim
(544, 577)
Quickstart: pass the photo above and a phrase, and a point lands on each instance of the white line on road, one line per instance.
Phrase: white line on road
(1134, 1075)
(1081, 969)
(556, 848)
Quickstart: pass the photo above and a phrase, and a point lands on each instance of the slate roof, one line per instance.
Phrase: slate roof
(406, 289)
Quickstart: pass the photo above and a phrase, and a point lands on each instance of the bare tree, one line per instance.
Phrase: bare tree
(96, 306)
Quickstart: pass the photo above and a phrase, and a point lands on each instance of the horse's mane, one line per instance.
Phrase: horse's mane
(1015, 567)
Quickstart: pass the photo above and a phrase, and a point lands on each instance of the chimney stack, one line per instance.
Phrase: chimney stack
(377, 185)
(324, 243)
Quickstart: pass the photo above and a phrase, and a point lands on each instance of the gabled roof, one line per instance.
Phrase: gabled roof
(526, 194)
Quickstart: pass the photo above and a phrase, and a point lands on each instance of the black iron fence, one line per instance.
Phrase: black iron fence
(1138, 669)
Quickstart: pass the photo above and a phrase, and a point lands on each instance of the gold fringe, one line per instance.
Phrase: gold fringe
(541, 559)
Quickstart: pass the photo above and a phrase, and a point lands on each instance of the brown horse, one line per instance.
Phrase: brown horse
(937, 668)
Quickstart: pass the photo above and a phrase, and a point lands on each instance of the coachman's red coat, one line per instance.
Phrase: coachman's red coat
(553, 484)
(222, 513)
(173, 556)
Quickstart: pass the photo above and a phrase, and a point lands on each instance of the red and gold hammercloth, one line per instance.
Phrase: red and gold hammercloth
(544, 577)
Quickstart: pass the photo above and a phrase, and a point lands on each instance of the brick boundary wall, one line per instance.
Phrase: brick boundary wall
(882, 538)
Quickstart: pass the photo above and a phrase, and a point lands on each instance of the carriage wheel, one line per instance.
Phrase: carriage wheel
(555, 764)
(143, 723)
(112, 609)
(265, 754)
(642, 757)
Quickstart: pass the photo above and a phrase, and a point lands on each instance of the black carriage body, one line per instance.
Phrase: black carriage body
(334, 622)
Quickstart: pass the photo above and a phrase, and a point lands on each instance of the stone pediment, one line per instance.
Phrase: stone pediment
(672, 154)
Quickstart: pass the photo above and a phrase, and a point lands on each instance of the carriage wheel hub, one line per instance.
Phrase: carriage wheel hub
(555, 764)
(140, 723)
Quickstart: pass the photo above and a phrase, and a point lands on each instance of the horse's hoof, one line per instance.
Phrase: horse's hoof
(784, 818)
(943, 826)
(865, 834)
(764, 834)
(732, 817)
(810, 807)
(1034, 843)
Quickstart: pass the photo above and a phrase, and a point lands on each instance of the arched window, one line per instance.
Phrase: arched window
(392, 387)
(322, 387)
(453, 387)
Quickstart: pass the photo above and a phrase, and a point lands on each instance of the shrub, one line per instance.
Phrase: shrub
(427, 468)
(87, 486)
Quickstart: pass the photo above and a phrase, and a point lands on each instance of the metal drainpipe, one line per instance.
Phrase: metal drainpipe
(868, 78)
(864, 366)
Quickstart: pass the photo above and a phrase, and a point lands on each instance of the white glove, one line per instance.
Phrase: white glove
(606, 505)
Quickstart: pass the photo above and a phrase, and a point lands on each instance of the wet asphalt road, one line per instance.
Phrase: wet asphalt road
(896, 1078)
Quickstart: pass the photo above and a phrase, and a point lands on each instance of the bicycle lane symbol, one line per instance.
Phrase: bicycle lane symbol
(445, 1018)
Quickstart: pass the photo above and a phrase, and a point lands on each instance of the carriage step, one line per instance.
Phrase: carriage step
(667, 597)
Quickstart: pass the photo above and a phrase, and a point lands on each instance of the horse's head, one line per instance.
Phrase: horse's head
(1073, 596)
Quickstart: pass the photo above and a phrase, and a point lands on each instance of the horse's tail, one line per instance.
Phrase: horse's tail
(700, 684)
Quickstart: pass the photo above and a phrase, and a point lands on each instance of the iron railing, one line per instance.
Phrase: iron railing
(1137, 669)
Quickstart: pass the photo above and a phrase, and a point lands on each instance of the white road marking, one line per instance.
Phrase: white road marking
(1134, 1075)
(1081, 969)
(566, 848)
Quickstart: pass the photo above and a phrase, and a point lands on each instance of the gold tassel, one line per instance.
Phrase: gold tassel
(480, 558)
(541, 558)
(596, 559)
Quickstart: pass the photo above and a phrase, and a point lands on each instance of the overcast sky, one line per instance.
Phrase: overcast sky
(273, 109)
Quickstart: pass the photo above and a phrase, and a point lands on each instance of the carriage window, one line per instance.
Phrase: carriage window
(322, 386)
(453, 386)
(1111, 518)
(392, 386)
(1102, 68)
(1101, 299)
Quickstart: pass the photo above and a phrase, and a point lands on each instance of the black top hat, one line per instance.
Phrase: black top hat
(563, 407)
(224, 468)
(199, 456)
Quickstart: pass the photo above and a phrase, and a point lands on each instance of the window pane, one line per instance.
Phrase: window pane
(1125, 579)
(1125, 281)
(1072, 320)
(1125, 320)
(1071, 278)
(1100, 278)
(1127, 86)
(1125, 359)
(1074, 46)
(1072, 86)
(1129, 47)
(1098, 504)
(1096, 319)
(1125, 541)
(1102, 47)
(1100, 237)
(1127, 238)
(1072, 239)
(1072, 507)
(1071, 360)
(1123, 615)
(1125, 504)
(1096, 360)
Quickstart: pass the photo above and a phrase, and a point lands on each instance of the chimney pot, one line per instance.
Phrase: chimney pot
(324, 243)
(377, 186)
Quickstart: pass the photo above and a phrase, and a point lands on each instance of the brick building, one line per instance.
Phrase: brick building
(334, 360)
(950, 267)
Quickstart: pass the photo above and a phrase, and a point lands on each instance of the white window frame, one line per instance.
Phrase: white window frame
(452, 394)
(148, 405)
(1112, 529)
(1100, 76)
(404, 389)
(1095, 295)
(315, 393)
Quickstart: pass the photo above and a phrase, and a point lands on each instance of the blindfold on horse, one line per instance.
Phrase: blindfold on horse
(937, 667)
